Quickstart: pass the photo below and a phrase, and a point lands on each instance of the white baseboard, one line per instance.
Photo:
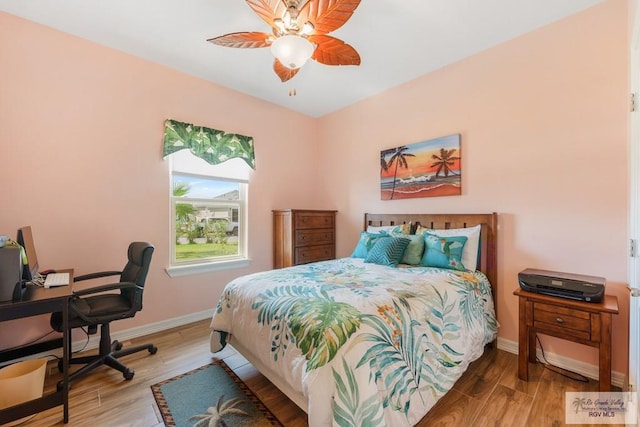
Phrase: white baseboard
(139, 331)
(590, 371)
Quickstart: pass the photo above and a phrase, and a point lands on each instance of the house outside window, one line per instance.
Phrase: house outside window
(208, 215)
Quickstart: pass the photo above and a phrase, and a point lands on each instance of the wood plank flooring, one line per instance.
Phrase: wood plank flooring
(488, 394)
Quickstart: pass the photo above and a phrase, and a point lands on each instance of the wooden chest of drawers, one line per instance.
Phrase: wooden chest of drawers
(303, 236)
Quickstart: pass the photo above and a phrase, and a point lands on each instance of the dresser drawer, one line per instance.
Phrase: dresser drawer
(313, 220)
(314, 237)
(562, 320)
(304, 255)
(301, 236)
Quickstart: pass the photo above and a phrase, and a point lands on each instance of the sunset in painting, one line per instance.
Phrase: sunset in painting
(424, 169)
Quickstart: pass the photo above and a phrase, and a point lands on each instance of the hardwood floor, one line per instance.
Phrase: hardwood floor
(488, 394)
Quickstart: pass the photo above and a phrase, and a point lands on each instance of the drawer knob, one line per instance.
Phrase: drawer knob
(559, 320)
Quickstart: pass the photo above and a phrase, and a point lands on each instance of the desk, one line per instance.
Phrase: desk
(586, 323)
(42, 301)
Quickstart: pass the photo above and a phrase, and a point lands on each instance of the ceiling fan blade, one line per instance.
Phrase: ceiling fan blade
(285, 73)
(327, 15)
(268, 10)
(333, 51)
(243, 40)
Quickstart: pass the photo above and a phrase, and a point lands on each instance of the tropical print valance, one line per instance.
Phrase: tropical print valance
(211, 145)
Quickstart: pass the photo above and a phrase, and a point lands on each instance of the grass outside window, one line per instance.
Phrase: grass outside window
(199, 251)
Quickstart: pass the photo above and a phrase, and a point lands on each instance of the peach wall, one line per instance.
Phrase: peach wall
(543, 120)
(100, 114)
(544, 131)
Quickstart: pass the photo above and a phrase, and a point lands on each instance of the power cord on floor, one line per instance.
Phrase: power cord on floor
(59, 359)
(52, 356)
(564, 372)
(35, 340)
(86, 343)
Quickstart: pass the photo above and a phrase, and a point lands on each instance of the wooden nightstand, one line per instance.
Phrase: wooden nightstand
(582, 322)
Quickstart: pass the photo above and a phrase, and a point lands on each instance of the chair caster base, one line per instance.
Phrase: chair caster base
(128, 374)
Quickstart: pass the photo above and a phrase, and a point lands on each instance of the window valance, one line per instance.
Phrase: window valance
(211, 145)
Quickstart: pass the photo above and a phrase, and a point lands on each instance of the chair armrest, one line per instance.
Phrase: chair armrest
(96, 275)
(103, 288)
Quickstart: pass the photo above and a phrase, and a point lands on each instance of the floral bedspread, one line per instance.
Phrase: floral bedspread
(368, 345)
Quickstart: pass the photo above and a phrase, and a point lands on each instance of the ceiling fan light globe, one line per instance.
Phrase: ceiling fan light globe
(292, 51)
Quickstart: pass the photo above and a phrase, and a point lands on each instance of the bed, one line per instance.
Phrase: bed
(356, 342)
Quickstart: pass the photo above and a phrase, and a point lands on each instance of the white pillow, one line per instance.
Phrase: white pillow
(471, 247)
(390, 229)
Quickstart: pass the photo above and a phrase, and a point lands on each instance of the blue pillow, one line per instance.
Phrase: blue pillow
(365, 243)
(443, 251)
(388, 251)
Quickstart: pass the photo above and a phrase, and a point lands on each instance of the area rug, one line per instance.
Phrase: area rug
(211, 395)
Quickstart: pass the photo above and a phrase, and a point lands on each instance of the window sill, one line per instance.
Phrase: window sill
(191, 269)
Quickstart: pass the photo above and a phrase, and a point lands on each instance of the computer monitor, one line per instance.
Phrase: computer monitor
(25, 239)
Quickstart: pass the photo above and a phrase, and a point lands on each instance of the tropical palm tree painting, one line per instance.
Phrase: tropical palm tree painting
(424, 169)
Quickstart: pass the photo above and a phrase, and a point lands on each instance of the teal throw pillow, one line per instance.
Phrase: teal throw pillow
(443, 251)
(387, 251)
(413, 253)
(365, 243)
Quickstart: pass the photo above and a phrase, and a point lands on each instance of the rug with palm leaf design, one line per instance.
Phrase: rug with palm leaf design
(211, 395)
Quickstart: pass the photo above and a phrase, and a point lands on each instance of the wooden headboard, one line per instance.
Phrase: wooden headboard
(488, 262)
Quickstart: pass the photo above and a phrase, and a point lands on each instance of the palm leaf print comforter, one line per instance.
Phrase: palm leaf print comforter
(367, 345)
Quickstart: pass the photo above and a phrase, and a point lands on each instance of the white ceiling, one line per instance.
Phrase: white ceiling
(398, 40)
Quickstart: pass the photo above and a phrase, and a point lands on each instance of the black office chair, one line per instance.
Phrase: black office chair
(92, 307)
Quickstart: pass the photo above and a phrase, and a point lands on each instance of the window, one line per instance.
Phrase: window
(208, 211)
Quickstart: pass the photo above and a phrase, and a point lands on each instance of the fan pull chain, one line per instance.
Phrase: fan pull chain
(292, 92)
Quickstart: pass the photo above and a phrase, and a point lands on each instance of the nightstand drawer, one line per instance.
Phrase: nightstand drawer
(559, 319)
(314, 237)
(314, 253)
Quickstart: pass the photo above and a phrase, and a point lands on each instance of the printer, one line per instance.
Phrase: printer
(564, 285)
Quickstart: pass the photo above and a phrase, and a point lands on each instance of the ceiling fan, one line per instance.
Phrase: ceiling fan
(300, 31)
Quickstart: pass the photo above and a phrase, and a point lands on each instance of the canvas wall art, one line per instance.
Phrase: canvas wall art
(429, 168)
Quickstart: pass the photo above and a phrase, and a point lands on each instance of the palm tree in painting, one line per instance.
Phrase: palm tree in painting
(399, 157)
(444, 161)
(384, 166)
